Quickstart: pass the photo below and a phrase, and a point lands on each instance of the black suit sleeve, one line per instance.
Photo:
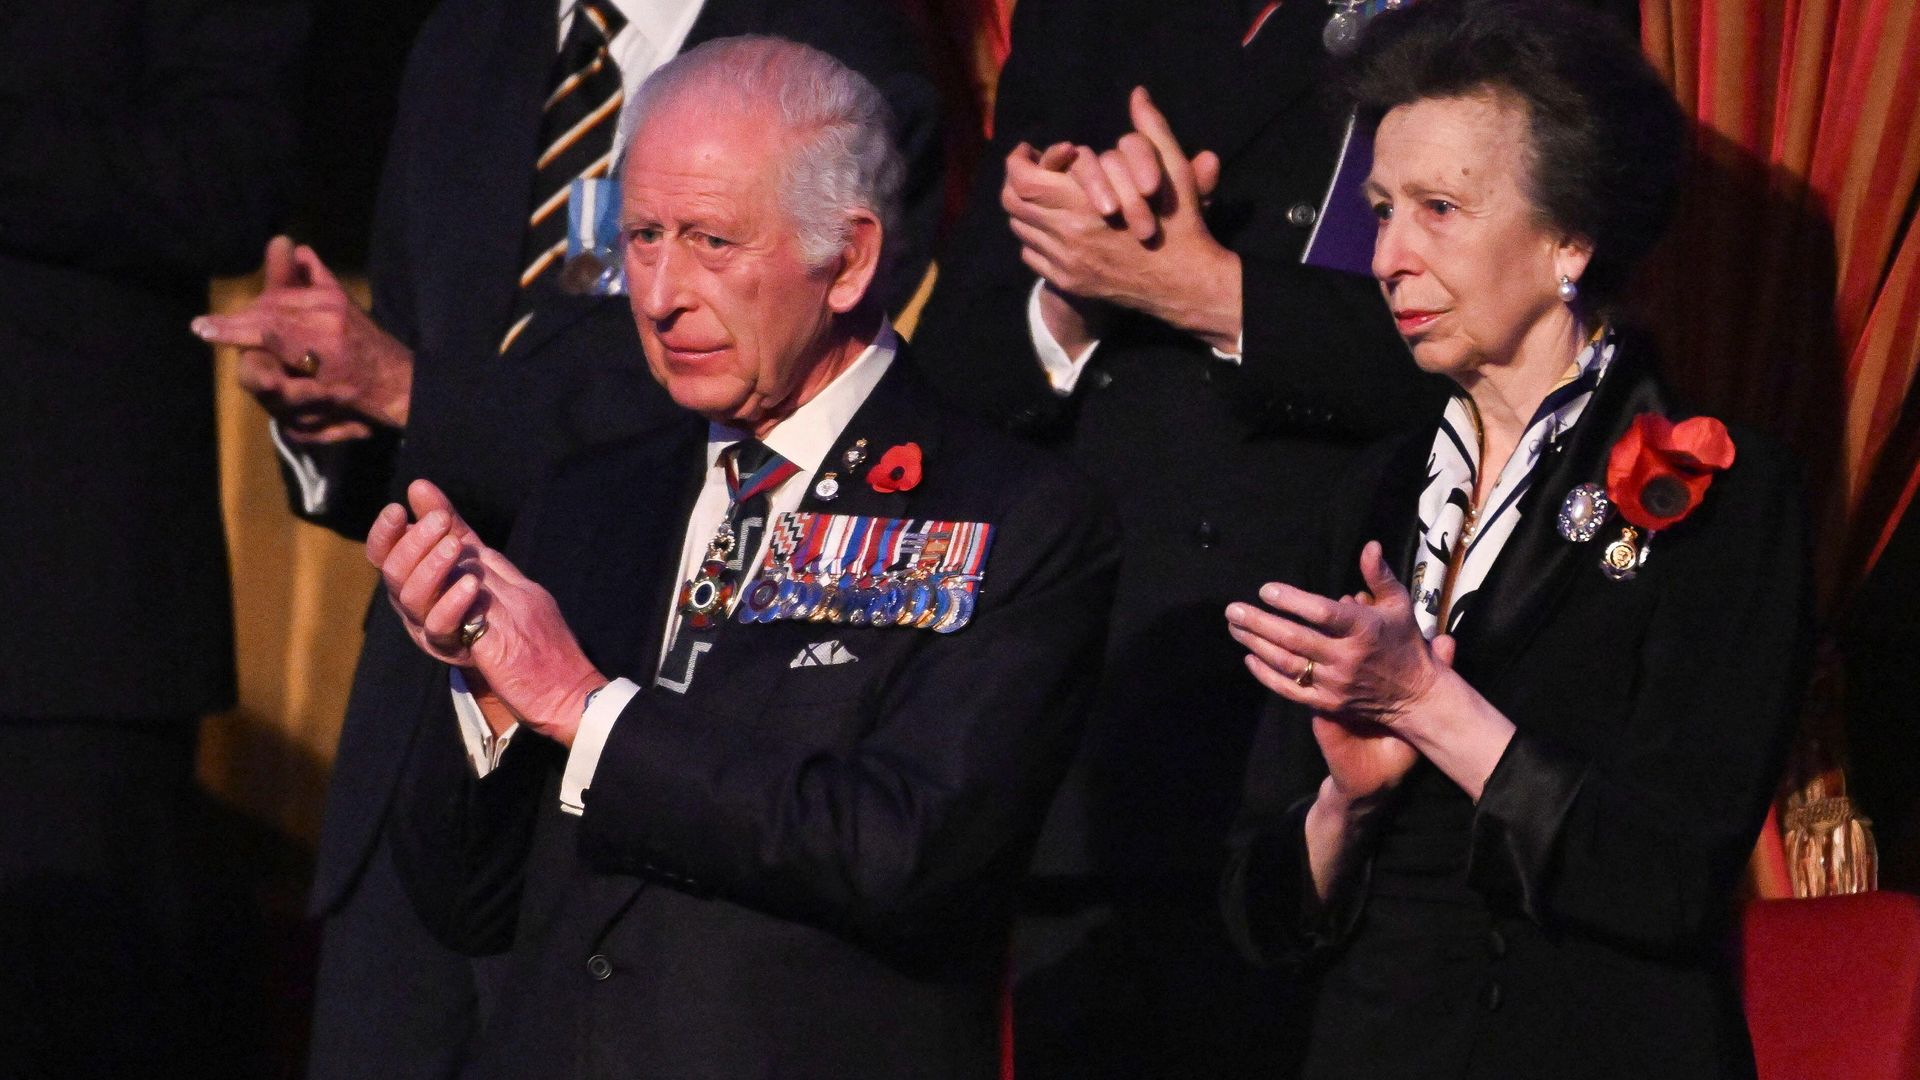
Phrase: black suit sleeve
(461, 842)
(1643, 843)
(972, 340)
(921, 824)
(186, 169)
(359, 472)
(1320, 355)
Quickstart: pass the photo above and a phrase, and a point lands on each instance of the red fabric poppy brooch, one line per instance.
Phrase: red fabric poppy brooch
(1657, 473)
(897, 470)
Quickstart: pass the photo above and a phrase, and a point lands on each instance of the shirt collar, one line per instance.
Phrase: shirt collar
(806, 437)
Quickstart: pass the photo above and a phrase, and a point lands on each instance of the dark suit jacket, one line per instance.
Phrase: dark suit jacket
(1571, 924)
(446, 259)
(795, 872)
(1216, 468)
(143, 148)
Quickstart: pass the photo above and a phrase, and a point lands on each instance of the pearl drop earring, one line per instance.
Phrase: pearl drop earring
(1568, 290)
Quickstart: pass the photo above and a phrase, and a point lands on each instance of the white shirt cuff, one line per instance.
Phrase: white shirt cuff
(483, 746)
(1239, 349)
(591, 738)
(306, 472)
(1063, 371)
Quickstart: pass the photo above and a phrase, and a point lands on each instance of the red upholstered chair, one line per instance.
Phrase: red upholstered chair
(1832, 986)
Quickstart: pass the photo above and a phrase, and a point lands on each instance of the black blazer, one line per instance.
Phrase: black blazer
(445, 262)
(796, 872)
(144, 146)
(1217, 469)
(1572, 924)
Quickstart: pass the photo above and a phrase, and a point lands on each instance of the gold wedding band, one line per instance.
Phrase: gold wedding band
(473, 630)
(1305, 678)
(306, 365)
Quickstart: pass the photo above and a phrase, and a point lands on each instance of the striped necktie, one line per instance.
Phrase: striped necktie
(576, 142)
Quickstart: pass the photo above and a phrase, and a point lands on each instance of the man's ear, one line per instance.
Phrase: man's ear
(858, 264)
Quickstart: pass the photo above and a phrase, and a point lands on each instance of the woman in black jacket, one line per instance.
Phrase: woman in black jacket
(1502, 808)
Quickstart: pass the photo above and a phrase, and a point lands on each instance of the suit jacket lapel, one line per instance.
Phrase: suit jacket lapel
(635, 544)
(486, 232)
(1538, 564)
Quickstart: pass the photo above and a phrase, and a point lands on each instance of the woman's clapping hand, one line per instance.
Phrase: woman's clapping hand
(1369, 667)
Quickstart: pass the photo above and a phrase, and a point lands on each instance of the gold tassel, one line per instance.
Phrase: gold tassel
(1830, 849)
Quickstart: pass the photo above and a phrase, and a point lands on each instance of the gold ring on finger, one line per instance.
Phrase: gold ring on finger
(1305, 678)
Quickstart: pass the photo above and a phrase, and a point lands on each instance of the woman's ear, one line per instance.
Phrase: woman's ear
(1570, 258)
(859, 263)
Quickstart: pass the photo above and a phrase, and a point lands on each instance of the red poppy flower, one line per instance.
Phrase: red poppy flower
(897, 470)
(1659, 470)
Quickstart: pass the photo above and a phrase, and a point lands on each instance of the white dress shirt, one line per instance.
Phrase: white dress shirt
(654, 32)
(805, 438)
(1063, 371)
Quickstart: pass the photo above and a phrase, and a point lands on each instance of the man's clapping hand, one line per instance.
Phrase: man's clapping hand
(317, 362)
(1124, 227)
(441, 578)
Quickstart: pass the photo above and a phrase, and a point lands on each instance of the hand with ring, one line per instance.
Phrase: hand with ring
(1357, 662)
(311, 356)
(466, 605)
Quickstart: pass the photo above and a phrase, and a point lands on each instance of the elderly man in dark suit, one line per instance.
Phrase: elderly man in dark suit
(734, 813)
(482, 375)
(1127, 284)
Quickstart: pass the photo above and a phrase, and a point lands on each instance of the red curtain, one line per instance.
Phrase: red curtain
(1788, 295)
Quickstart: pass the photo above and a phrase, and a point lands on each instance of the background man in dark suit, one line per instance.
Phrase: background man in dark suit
(423, 387)
(1225, 383)
(143, 148)
(792, 852)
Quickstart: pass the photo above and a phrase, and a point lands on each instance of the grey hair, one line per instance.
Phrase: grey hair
(843, 156)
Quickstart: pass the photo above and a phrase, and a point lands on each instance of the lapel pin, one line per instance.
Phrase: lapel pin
(1624, 557)
(855, 455)
(1584, 512)
(828, 489)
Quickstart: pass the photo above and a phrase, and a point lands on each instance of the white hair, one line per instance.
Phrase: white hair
(843, 156)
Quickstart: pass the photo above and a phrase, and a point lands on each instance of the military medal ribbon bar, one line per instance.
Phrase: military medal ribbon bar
(864, 571)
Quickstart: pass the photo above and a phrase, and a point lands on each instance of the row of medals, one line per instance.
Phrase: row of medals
(913, 597)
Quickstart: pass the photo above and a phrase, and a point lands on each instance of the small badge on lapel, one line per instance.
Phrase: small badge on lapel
(869, 571)
(1624, 557)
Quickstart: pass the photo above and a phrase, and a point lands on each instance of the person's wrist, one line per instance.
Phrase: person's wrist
(1207, 298)
(561, 715)
(1074, 321)
(394, 384)
(1414, 717)
(1350, 810)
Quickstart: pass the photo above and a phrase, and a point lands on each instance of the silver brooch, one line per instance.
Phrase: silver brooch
(828, 489)
(1584, 512)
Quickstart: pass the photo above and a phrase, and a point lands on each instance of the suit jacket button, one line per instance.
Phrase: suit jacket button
(599, 967)
(1205, 534)
(1496, 943)
(1492, 997)
(1301, 215)
(1101, 379)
